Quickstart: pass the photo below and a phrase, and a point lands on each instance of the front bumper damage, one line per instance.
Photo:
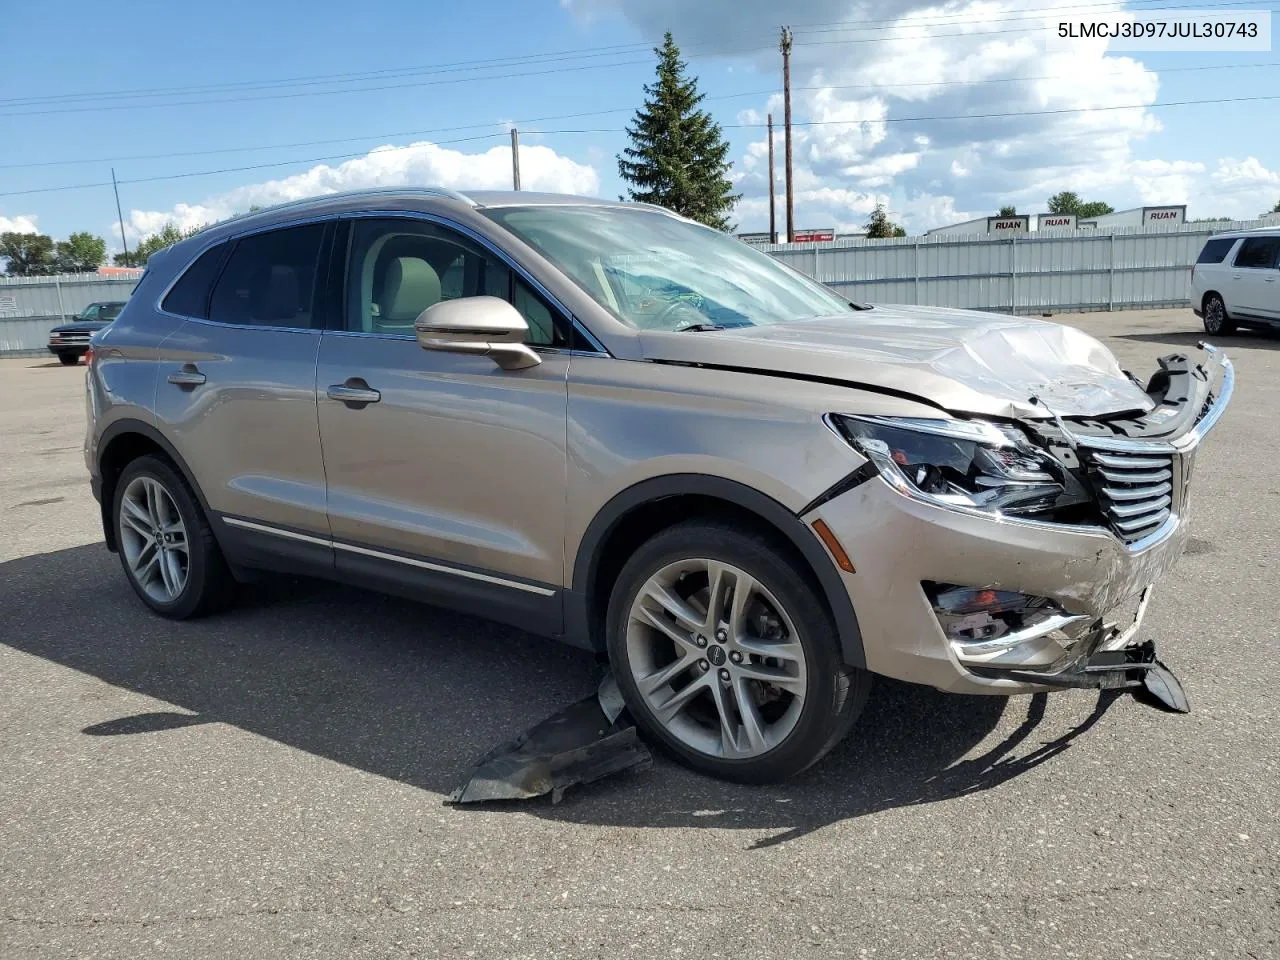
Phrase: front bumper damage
(1090, 580)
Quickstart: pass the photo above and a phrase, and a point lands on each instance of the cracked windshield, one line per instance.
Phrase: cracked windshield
(656, 272)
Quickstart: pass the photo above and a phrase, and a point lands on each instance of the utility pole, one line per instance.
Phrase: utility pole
(119, 216)
(773, 222)
(515, 158)
(785, 47)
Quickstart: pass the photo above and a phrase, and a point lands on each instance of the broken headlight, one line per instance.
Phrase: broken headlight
(960, 463)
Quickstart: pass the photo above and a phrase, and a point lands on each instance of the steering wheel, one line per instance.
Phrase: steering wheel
(674, 307)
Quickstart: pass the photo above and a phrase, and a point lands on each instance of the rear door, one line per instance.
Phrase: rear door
(446, 473)
(1254, 287)
(237, 391)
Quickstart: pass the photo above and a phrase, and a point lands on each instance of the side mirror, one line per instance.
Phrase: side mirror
(481, 325)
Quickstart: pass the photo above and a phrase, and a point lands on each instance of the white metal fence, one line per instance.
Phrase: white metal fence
(31, 306)
(1046, 272)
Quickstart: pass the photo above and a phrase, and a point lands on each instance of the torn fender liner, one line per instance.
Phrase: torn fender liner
(584, 742)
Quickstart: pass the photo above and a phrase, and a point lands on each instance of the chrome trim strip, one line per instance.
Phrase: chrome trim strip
(276, 531)
(380, 555)
(1055, 621)
(439, 568)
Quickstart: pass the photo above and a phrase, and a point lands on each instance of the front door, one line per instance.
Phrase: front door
(237, 391)
(1255, 281)
(446, 473)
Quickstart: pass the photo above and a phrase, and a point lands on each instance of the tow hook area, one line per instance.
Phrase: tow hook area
(585, 741)
(1132, 668)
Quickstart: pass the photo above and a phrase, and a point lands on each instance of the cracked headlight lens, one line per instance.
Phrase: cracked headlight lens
(966, 463)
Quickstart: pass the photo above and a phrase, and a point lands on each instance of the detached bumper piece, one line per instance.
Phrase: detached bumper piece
(1131, 668)
(582, 743)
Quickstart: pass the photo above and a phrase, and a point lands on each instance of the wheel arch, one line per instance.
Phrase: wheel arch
(638, 512)
(120, 444)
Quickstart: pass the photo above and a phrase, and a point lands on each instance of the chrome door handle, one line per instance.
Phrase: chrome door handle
(355, 392)
(188, 376)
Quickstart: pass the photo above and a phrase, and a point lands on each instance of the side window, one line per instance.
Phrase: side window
(189, 297)
(1258, 252)
(1215, 251)
(270, 280)
(398, 268)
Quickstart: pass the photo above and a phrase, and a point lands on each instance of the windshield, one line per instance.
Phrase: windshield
(657, 272)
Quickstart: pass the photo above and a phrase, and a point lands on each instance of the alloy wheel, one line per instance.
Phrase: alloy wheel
(153, 539)
(716, 658)
(1214, 314)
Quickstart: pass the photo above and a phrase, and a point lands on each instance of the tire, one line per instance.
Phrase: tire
(179, 584)
(817, 698)
(1216, 321)
(68, 359)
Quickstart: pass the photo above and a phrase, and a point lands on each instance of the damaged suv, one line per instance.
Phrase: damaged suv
(605, 423)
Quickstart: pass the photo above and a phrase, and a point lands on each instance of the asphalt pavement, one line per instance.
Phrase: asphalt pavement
(269, 782)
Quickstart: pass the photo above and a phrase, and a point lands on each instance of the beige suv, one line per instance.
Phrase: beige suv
(605, 423)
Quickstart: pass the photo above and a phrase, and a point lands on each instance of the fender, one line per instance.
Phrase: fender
(578, 598)
(129, 425)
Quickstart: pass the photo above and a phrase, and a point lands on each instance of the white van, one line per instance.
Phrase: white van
(1236, 280)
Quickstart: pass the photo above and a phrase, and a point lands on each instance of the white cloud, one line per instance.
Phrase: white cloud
(19, 223)
(1038, 118)
(541, 168)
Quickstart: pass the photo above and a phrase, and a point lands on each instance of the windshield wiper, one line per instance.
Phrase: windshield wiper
(699, 328)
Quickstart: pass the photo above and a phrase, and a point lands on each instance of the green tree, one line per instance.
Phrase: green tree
(1068, 201)
(169, 234)
(677, 154)
(27, 254)
(1008, 211)
(80, 253)
(880, 226)
(1276, 208)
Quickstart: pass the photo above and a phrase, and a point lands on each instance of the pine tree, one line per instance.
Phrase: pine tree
(677, 153)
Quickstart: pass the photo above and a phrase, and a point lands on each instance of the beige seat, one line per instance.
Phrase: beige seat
(411, 285)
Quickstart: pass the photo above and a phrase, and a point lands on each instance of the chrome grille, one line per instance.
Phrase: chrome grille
(1135, 490)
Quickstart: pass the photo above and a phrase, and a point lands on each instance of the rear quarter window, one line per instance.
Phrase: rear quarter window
(190, 295)
(1215, 251)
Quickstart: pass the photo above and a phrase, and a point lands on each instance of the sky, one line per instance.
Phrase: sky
(204, 111)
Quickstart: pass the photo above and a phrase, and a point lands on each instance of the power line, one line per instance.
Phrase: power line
(730, 126)
(79, 161)
(556, 56)
(65, 102)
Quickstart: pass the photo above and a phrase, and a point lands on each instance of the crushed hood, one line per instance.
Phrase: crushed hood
(961, 360)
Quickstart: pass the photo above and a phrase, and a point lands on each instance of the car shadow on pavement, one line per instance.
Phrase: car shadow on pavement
(416, 694)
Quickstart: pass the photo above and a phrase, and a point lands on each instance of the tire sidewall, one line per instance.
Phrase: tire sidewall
(198, 563)
(1223, 324)
(812, 733)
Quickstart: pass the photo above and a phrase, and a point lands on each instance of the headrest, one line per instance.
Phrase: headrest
(410, 287)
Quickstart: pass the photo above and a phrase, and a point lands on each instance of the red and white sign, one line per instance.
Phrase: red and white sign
(1008, 226)
(1163, 216)
(815, 236)
(1056, 221)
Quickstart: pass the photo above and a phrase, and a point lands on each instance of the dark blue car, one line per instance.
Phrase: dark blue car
(70, 341)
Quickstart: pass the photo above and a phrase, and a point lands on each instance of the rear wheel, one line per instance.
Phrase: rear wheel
(166, 546)
(727, 656)
(68, 359)
(1216, 320)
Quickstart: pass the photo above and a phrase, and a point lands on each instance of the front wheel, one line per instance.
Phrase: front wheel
(726, 654)
(68, 359)
(1216, 320)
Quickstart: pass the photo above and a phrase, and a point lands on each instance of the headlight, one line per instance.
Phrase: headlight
(966, 463)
